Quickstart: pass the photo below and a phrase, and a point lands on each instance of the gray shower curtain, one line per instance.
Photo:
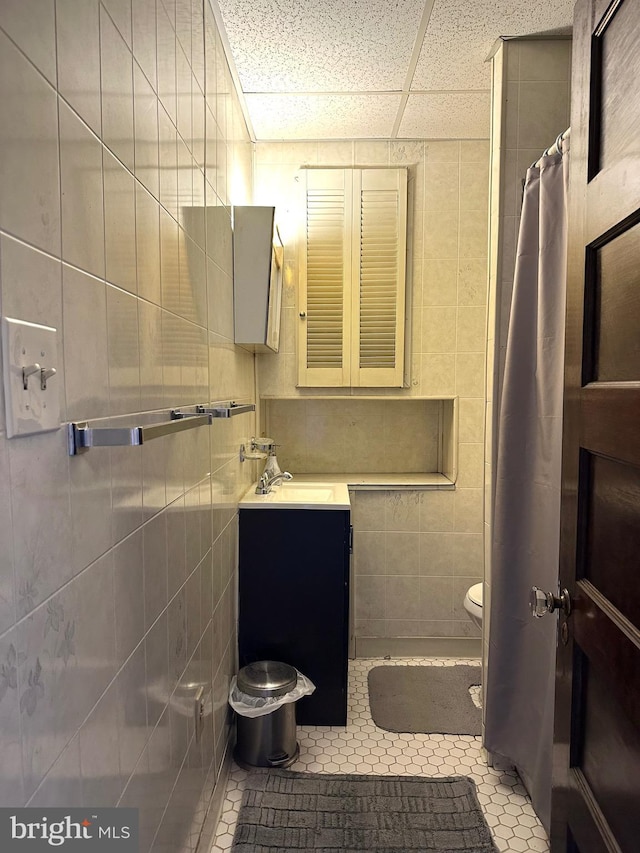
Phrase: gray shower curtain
(526, 524)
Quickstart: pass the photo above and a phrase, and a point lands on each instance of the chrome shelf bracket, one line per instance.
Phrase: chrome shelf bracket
(227, 410)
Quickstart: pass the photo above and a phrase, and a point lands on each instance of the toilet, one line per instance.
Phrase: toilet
(473, 603)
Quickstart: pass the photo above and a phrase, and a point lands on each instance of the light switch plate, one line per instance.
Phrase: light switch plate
(34, 409)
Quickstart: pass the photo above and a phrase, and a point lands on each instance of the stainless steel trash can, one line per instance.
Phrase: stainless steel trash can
(269, 740)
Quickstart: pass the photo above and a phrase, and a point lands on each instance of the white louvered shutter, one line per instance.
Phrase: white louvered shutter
(324, 303)
(378, 277)
(352, 278)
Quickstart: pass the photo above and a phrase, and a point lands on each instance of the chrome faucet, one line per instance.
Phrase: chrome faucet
(266, 482)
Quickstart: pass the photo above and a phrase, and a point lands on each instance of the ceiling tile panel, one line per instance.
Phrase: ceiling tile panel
(323, 116)
(313, 46)
(457, 115)
(461, 33)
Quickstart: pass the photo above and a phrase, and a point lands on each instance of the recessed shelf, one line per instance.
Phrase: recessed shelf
(367, 441)
(392, 482)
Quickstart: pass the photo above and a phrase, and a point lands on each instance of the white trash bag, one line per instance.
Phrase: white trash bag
(260, 706)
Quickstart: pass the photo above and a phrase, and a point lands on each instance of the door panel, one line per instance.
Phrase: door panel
(324, 305)
(618, 59)
(611, 756)
(613, 538)
(379, 277)
(588, 834)
(596, 782)
(606, 422)
(613, 336)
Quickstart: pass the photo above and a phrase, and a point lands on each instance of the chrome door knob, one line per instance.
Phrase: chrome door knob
(542, 602)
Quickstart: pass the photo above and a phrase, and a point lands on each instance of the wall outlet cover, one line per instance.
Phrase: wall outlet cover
(35, 408)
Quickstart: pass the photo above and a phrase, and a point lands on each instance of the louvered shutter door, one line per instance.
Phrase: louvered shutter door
(378, 277)
(323, 339)
(352, 278)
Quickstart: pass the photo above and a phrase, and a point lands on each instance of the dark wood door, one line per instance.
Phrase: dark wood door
(596, 787)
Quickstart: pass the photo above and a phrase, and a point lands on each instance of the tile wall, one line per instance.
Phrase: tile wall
(415, 554)
(121, 143)
(531, 106)
(366, 436)
(399, 593)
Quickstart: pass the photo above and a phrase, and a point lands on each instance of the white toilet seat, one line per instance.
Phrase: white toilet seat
(475, 593)
(473, 603)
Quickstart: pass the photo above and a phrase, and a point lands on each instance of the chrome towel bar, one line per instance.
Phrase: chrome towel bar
(81, 437)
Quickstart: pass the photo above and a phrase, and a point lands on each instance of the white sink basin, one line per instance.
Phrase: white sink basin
(293, 495)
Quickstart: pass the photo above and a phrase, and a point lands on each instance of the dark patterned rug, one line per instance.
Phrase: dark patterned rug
(425, 699)
(286, 812)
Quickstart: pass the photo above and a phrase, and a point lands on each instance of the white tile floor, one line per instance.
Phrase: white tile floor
(362, 747)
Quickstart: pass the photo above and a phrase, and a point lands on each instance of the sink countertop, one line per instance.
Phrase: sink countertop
(299, 493)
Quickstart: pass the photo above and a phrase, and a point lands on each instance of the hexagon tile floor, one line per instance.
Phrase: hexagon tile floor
(362, 747)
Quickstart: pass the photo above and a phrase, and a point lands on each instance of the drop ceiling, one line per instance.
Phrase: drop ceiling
(344, 69)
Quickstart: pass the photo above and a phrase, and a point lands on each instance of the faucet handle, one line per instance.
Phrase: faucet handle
(263, 485)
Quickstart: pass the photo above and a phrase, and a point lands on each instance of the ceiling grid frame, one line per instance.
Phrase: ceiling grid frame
(367, 69)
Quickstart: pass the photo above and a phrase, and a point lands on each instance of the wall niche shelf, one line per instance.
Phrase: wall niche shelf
(369, 442)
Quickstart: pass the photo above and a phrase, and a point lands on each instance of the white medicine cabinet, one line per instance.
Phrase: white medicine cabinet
(258, 259)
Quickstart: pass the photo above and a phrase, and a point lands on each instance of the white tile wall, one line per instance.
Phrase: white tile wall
(117, 568)
(447, 288)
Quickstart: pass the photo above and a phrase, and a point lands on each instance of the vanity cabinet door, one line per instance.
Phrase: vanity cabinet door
(294, 601)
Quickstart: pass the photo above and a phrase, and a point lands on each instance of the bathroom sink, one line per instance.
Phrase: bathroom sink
(298, 495)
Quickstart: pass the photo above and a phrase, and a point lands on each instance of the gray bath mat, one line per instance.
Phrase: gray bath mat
(326, 813)
(425, 699)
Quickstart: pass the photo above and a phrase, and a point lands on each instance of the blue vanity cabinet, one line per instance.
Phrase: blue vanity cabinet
(294, 601)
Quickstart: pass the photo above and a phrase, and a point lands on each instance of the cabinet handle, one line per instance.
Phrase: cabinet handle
(303, 315)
